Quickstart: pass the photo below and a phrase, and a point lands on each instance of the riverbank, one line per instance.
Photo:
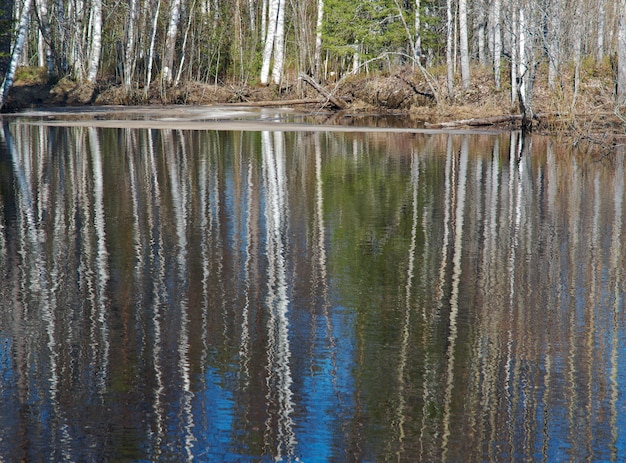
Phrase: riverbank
(584, 115)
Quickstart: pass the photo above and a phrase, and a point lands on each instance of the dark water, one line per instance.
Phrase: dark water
(175, 295)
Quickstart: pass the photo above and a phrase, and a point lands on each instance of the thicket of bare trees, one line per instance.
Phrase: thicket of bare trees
(141, 43)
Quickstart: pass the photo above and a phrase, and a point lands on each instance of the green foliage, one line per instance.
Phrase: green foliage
(368, 27)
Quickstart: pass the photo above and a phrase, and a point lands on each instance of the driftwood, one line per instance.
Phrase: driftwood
(279, 102)
(477, 122)
(336, 102)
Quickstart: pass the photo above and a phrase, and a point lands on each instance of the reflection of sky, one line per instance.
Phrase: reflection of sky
(213, 410)
(326, 396)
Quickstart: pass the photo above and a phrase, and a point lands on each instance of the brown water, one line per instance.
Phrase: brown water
(172, 295)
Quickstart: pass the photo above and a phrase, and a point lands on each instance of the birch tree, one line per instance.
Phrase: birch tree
(170, 42)
(621, 55)
(96, 40)
(270, 34)
(417, 47)
(449, 60)
(318, 39)
(16, 49)
(129, 53)
(45, 34)
(497, 43)
(464, 46)
(274, 42)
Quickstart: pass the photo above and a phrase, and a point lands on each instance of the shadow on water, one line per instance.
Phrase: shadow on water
(173, 295)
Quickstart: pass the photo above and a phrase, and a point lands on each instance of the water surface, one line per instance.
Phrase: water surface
(200, 295)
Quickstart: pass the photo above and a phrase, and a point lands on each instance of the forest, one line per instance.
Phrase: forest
(150, 47)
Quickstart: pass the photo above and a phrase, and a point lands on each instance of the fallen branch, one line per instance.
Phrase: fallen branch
(477, 122)
(336, 102)
(279, 102)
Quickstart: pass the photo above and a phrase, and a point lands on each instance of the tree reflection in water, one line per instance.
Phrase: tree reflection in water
(227, 296)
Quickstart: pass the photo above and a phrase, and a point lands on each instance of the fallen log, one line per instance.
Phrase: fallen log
(279, 102)
(476, 122)
(336, 102)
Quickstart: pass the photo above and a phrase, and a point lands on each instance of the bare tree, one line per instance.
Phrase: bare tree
(96, 40)
(464, 45)
(621, 55)
(16, 49)
(449, 39)
(170, 42)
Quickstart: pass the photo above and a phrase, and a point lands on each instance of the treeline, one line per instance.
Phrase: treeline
(141, 43)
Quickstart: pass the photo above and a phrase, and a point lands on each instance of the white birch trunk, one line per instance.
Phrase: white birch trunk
(449, 61)
(129, 53)
(96, 40)
(481, 20)
(269, 41)
(170, 42)
(554, 43)
(497, 44)
(522, 56)
(417, 47)
(577, 33)
(318, 39)
(621, 56)
(16, 50)
(279, 44)
(45, 37)
(601, 23)
(464, 46)
(514, 54)
(151, 49)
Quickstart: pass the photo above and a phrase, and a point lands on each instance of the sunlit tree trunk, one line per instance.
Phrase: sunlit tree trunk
(16, 50)
(481, 21)
(554, 43)
(170, 42)
(449, 60)
(621, 55)
(600, 33)
(96, 40)
(514, 54)
(464, 45)
(279, 44)
(417, 47)
(129, 54)
(497, 43)
(269, 40)
(318, 38)
(153, 30)
(45, 34)
(577, 33)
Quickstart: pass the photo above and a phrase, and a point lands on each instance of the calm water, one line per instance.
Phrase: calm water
(172, 295)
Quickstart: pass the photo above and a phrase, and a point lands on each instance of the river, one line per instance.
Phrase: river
(180, 292)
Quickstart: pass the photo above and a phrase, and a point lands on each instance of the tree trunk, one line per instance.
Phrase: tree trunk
(96, 40)
(417, 47)
(129, 53)
(449, 61)
(554, 43)
(514, 53)
(269, 41)
(16, 50)
(577, 34)
(153, 30)
(621, 55)
(279, 44)
(170, 42)
(46, 35)
(318, 40)
(497, 43)
(464, 45)
(600, 35)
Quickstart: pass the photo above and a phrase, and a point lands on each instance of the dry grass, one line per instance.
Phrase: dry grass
(586, 115)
